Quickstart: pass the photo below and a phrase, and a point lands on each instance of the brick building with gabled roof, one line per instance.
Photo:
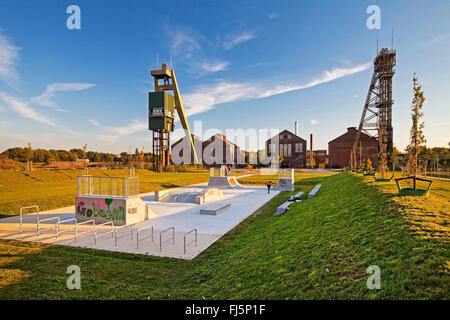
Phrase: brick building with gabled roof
(292, 147)
(339, 148)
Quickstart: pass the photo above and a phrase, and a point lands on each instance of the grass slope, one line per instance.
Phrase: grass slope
(320, 249)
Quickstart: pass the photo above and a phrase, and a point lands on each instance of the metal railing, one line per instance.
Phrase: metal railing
(116, 237)
(193, 241)
(77, 234)
(171, 238)
(38, 226)
(104, 233)
(21, 216)
(143, 238)
(68, 230)
(123, 187)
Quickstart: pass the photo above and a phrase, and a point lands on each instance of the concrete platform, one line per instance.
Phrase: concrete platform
(181, 215)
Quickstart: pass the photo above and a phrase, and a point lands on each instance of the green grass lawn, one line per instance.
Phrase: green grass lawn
(319, 249)
(57, 188)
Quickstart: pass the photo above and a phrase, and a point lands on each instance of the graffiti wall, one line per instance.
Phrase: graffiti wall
(103, 209)
(107, 208)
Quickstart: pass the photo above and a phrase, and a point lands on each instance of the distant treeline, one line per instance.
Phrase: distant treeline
(43, 155)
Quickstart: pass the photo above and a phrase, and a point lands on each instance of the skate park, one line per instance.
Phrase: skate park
(178, 223)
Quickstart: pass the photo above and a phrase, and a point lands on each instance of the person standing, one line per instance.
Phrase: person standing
(269, 185)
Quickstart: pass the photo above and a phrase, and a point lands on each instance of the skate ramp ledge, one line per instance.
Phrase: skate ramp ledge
(215, 209)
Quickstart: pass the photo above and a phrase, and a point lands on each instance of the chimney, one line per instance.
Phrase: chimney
(311, 147)
(296, 127)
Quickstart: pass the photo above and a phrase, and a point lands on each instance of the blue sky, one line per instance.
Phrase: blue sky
(239, 64)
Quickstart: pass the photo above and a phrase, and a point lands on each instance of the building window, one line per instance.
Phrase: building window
(299, 147)
(273, 148)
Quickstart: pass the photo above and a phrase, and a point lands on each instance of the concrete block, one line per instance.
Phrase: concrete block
(314, 191)
(215, 209)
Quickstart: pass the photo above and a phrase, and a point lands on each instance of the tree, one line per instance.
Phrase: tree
(368, 166)
(417, 138)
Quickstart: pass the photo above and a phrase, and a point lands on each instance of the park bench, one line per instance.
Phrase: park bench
(296, 197)
(314, 191)
(283, 208)
(216, 208)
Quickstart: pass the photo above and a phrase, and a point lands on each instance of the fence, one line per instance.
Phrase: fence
(108, 186)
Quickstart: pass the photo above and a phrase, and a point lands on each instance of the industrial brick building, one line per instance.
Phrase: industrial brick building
(213, 152)
(291, 146)
(339, 148)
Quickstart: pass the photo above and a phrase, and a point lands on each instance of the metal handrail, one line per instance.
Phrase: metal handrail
(74, 228)
(21, 217)
(80, 233)
(193, 241)
(137, 235)
(116, 237)
(38, 228)
(104, 233)
(172, 238)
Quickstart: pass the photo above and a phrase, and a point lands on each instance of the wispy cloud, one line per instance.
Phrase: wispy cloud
(183, 42)
(272, 15)
(207, 67)
(115, 133)
(314, 122)
(205, 98)
(8, 57)
(45, 98)
(24, 109)
(94, 122)
(440, 39)
(231, 40)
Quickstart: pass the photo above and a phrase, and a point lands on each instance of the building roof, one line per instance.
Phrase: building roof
(294, 137)
(349, 136)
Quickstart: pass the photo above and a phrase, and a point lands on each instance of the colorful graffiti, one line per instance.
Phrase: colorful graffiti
(108, 209)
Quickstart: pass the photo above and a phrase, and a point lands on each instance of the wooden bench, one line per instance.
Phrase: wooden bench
(215, 209)
(314, 191)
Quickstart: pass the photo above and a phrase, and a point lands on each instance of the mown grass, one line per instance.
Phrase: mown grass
(57, 188)
(319, 249)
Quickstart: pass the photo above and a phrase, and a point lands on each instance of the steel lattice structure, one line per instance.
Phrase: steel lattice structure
(376, 118)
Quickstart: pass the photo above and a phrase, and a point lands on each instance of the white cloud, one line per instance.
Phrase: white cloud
(272, 15)
(206, 97)
(45, 98)
(314, 122)
(115, 133)
(183, 43)
(8, 57)
(95, 122)
(232, 40)
(206, 67)
(24, 109)
(211, 67)
(439, 39)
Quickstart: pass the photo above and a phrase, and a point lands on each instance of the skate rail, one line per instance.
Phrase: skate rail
(192, 241)
(143, 238)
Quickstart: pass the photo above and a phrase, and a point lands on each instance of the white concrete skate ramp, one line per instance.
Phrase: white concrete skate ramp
(224, 182)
